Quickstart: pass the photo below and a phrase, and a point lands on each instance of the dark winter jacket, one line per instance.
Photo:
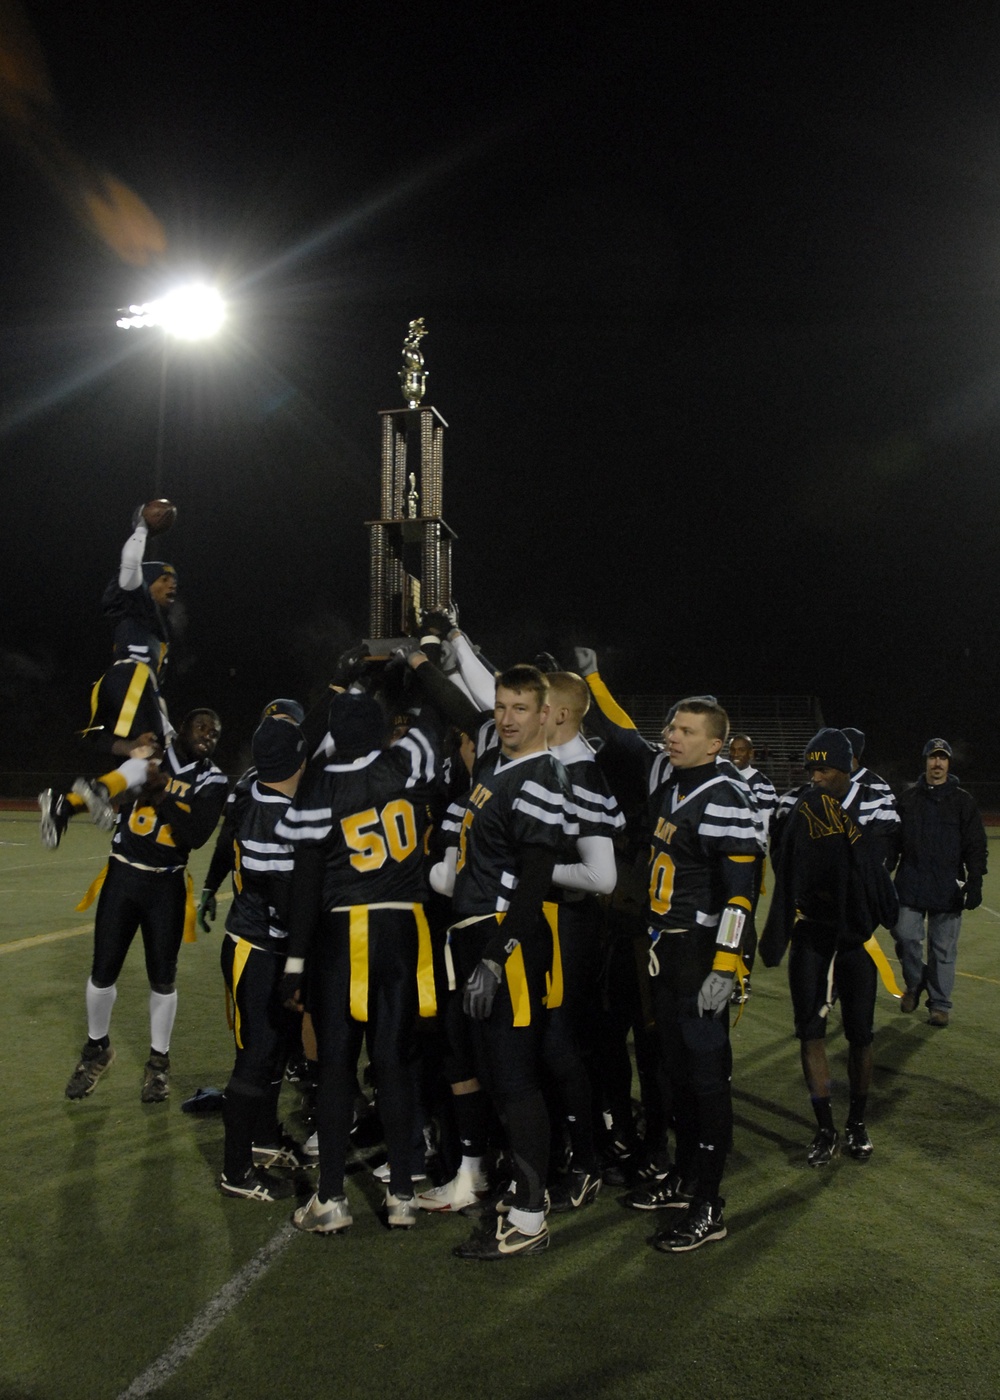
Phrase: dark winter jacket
(942, 845)
(829, 871)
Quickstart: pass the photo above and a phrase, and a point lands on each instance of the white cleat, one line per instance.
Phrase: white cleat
(400, 1211)
(323, 1217)
(98, 803)
(464, 1189)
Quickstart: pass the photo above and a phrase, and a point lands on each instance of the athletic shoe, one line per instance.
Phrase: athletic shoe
(256, 1186)
(740, 995)
(938, 1018)
(665, 1193)
(54, 820)
(910, 1000)
(619, 1162)
(323, 1217)
(823, 1148)
(382, 1174)
(98, 801)
(502, 1241)
(310, 1148)
(577, 1189)
(466, 1188)
(301, 1071)
(702, 1223)
(156, 1079)
(92, 1064)
(654, 1165)
(857, 1143)
(400, 1211)
(286, 1152)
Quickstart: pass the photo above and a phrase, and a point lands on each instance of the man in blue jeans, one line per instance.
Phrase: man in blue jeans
(942, 861)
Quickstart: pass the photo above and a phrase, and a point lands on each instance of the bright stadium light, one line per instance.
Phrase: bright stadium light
(195, 312)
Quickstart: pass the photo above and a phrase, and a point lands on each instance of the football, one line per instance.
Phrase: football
(159, 515)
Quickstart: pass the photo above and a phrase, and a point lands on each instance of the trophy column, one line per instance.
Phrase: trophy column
(410, 544)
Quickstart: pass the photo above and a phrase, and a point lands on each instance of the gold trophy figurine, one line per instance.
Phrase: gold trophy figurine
(413, 376)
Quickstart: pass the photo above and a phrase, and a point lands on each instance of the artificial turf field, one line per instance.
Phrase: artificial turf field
(126, 1273)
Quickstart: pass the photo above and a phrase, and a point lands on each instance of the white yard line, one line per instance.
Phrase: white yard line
(229, 1296)
(57, 935)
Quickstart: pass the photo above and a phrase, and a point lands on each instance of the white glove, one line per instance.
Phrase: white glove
(586, 660)
(715, 993)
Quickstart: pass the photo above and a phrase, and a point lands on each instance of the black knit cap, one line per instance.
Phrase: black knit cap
(856, 739)
(278, 749)
(357, 724)
(830, 748)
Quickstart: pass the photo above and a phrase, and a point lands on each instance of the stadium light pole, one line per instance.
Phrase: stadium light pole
(192, 312)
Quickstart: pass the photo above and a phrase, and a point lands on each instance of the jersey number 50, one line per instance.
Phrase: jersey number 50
(376, 837)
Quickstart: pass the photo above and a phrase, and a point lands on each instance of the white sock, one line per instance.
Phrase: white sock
(100, 1002)
(529, 1222)
(472, 1164)
(133, 770)
(162, 1012)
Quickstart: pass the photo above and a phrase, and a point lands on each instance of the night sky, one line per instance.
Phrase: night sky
(713, 299)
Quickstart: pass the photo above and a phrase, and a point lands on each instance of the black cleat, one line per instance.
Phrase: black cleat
(156, 1079)
(92, 1063)
(665, 1193)
(857, 1143)
(702, 1223)
(577, 1189)
(285, 1152)
(502, 1241)
(256, 1186)
(823, 1148)
(54, 820)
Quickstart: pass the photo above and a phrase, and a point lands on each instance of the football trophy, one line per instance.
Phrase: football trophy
(410, 543)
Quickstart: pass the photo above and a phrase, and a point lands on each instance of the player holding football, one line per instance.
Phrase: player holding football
(127, 715)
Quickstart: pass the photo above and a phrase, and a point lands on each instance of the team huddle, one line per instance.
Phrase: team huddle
(493, 882)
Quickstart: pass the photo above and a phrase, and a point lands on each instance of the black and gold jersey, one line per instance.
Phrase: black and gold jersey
(142, 629)
(763, 792)
(701, 818)
(262, 868)
(161, 836)
(597, 810)
(514, 803)
(370, 815)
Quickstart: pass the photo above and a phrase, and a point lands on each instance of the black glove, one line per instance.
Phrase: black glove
(481, 988)
(973, 894)
(545, 661)
(437, 621)
(290, 991)
(351, 666)
(208, 908)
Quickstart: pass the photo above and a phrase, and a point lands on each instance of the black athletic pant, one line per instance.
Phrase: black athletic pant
(696, 1059)
(509, 1056)
(392, 1006)
(266, 1034)
(569, 1043)
(130, 900)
